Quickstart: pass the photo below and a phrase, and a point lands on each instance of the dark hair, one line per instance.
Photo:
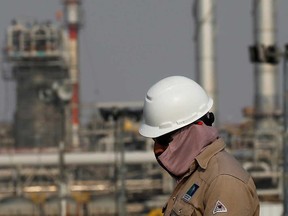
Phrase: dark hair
(208, 118)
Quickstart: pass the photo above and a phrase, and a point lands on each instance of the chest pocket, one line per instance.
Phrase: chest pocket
(182, 208)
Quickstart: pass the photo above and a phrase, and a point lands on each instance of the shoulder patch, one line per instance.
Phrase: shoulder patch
(219, 208)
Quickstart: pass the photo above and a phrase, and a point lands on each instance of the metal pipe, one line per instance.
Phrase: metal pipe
(101, 158)
(77, 158)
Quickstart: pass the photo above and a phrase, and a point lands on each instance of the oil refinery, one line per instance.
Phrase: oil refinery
(52, 164)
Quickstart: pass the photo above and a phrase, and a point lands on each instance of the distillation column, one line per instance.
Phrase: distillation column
(266, 75)
(204, 15)
(35, 55)
(72, 20)
(267, 140)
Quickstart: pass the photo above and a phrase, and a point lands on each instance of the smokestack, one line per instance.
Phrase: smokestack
(73, 22)
(204, 15)
(266, 75)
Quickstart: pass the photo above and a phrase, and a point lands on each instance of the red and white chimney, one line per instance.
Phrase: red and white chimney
(73, 23)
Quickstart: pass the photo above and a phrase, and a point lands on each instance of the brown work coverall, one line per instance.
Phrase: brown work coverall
(216, 184)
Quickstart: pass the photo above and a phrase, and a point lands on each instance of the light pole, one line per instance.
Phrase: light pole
(62, 181)
(121, 167)
(62, 92)
(63, 188)
(285, 133)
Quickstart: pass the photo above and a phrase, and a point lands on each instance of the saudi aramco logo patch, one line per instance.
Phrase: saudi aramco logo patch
(187, 197)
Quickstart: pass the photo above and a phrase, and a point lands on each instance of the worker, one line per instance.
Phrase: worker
(209, 181)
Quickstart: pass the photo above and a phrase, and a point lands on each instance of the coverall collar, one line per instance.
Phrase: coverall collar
(204, 157)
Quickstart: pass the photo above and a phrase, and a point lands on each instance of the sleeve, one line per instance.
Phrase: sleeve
(228, 195)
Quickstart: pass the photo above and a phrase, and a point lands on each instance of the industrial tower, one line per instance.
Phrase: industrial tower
(37, 55)
(205, 40)
(72, 11)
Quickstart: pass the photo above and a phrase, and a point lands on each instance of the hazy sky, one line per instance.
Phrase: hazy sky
(128, 45)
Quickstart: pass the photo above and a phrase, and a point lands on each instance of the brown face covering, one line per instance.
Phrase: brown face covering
(187, 143)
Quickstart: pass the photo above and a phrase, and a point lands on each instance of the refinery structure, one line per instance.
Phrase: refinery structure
(50, 164)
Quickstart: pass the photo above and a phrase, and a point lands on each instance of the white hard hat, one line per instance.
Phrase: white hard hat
(173, 103)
